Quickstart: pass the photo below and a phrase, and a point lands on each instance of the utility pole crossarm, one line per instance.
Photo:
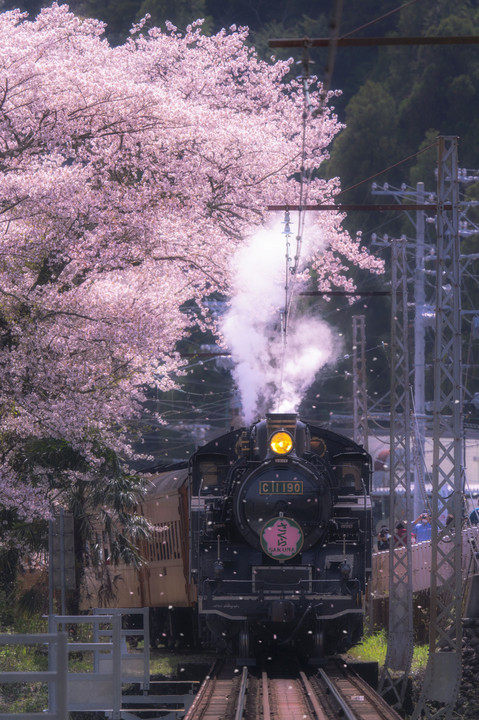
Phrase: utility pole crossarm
(429, 207)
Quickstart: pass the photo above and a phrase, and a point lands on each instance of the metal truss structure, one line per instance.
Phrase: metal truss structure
(360, 403)
(443, 673)
(394, 676)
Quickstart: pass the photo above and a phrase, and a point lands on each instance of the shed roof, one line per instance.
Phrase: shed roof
(166, 482)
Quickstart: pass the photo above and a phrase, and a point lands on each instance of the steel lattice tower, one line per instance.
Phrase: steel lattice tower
(443, 673)
(393, 682)
(360, 404)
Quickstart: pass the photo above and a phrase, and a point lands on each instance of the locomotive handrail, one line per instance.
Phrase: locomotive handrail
(285, 589)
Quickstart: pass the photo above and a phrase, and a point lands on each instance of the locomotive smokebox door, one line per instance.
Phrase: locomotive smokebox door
(287, 491)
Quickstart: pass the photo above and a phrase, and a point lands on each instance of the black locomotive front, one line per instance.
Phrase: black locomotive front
(281, 536)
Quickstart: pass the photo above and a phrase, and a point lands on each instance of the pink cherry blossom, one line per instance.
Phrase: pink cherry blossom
(129, 177)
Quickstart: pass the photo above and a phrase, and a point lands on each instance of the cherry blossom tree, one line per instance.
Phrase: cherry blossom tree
(129, 177)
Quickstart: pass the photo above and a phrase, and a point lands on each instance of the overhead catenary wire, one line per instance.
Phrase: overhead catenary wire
(378, 19)
(305, 181)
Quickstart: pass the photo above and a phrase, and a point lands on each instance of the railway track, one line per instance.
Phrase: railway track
(219, 694)
(327, 694)
(341, 691)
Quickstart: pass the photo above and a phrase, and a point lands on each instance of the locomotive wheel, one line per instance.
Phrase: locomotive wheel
(243, 641)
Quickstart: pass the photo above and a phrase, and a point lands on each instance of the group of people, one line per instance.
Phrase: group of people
(422, 529)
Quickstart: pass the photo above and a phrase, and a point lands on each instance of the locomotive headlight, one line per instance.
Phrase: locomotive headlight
(281, 443)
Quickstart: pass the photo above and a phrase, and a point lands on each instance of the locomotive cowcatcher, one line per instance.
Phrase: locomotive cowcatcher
(280, 523)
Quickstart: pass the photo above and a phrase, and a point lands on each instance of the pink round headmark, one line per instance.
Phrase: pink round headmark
(281, 538)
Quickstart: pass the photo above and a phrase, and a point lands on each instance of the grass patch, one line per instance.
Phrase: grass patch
(164, 663)
(374, 647)
(420, 658)
(23, 697)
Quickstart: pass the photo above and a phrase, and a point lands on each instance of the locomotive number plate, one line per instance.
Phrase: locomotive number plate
(281, 487)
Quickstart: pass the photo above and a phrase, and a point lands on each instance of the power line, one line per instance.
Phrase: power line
(374, 41)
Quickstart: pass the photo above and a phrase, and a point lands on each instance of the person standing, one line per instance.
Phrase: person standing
(400, 533)
(422, 529)
(474, 517)
(383, 538)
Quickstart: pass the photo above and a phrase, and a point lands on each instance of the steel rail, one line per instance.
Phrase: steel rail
(346, 711)
(312, 697)
(206, 690)
(242, 694)
(265, 697)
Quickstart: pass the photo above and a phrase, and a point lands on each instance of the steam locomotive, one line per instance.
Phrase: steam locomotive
(263, 540)
(281, 537)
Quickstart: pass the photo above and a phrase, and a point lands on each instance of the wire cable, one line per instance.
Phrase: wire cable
(304, 183)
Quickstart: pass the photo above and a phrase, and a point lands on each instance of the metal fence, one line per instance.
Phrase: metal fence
(92, 681)
(55, 677)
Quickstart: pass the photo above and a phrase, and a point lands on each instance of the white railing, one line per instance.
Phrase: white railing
(421, 564)
(112, 666)
(56, 678)
(100, 689)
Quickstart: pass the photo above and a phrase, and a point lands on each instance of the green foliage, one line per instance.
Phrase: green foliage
(18, 540)
(304, 26)
(20, 697)
(420, 658)
(411, 94)
(257, 15)
(426, 161)
(180, 12)
(119, 15)
(374, 647)
(52, 454)
(103, 501)
(7, 608)
(167, 664)
(369, 140)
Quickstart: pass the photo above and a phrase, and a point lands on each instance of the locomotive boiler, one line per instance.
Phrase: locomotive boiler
(280, 538)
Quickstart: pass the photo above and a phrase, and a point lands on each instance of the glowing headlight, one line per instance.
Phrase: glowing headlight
(281, 443)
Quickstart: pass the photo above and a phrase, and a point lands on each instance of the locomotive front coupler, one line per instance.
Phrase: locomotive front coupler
(298, 626)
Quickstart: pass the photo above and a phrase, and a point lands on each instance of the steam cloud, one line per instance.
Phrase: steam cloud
(270, 376)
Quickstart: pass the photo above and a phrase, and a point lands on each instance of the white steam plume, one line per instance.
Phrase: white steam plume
(271, 377)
